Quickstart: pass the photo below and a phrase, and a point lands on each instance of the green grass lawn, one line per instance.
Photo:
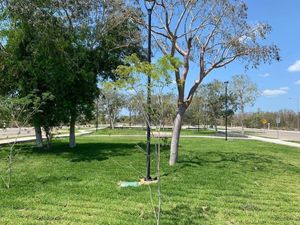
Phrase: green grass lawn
(196, 132)
(214, 182)
(141, 131)
(121, 131)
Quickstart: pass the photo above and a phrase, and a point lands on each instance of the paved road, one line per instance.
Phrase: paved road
(277, 134)
(275, 141)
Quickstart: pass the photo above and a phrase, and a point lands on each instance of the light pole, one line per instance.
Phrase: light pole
(226, 108)
(297, 101)
(149, 4)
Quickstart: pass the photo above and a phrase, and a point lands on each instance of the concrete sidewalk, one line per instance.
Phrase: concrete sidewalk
(274, 141)
(163, 136)
(269, 140)
(89, 131)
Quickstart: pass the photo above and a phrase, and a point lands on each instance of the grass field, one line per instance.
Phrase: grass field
(215, 182)
(141, 131)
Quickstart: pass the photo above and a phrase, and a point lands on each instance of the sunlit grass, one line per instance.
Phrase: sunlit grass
(214, 182)
(141, 131)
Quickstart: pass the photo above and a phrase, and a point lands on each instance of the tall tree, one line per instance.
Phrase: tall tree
(113, 102)
(246, 93)
(212, 100)
(197, 112)
(106, 31)
(210, 35)
(57, 44)
(34, 59)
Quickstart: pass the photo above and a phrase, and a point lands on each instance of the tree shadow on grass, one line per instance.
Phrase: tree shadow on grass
(87, 151)
(250, 161)
(227, 159)
(187, 214)
(218, 157)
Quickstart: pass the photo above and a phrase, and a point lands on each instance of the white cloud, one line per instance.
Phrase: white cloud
(275, 92)
(295, 67)
(284, 88)
(265, 75)
(297, 82)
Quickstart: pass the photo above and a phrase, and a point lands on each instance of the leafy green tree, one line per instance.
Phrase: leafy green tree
(164, 115)
(64, 48)
(209, 106)
(212, 34)
(246, 93)
(112, 102)
(33, 56)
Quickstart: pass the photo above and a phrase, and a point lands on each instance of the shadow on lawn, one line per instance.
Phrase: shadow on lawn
(87, 151)
(219, 157)
(227, 159)
(197, 215)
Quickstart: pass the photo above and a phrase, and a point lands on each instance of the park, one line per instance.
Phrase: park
(148, 112)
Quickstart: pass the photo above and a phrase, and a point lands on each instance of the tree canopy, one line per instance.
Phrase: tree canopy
(63, 48)
(207, 35)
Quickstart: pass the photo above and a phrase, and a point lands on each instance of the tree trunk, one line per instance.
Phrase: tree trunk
(243, 130)
(129, 118)
(216, 126)
(38, 136)
(176, 135)
(111, 123)
(242, 119)
(72, 140)
(48, 132)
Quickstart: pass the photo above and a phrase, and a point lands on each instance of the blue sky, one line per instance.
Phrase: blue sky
(277, 81)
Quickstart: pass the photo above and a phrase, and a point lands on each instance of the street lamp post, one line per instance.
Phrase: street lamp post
(297, 101)
(226, 109)
(149, 4)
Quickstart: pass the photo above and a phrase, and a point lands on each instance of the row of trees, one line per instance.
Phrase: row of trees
(57, 51)
(259, 119)
(115, 106)
(208, 106)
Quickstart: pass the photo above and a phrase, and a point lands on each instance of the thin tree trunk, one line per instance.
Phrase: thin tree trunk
(129, 118)
(216, 126)
(243, 129)
(242, 119)
(72, 139)
(48, 132)
(176, 135)
(38, 136)
(112, 123)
